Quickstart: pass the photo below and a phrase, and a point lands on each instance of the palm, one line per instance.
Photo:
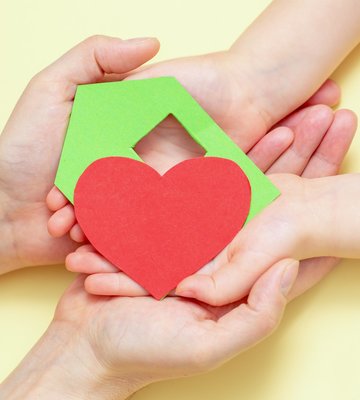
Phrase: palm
(31, 142)
(170, 332)
(151, 340)
(29, 150)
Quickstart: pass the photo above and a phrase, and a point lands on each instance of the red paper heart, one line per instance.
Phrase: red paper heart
(160, 229)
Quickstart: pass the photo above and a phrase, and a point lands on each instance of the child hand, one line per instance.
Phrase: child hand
(232, 93)
(310, 136)
(311, 218)
(231, 107)
(325, 161)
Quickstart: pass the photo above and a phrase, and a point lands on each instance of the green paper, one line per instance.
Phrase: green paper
(108, 119)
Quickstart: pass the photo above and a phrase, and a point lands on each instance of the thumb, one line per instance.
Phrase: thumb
(267, 239)
(250, 323)
(232, 279)
(96, 56)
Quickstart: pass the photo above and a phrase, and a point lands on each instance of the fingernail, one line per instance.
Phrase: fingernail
(288, 277)
(139, 40)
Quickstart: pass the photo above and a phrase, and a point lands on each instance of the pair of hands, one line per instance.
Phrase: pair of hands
(312, 141)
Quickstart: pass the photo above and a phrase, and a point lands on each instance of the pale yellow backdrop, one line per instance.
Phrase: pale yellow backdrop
(315, 353)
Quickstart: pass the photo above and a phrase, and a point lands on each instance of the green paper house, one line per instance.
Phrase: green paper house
(109, 119)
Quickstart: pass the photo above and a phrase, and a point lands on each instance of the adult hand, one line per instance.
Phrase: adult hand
(31, 143)
(105, 279)
(102, 348)
(227, 90)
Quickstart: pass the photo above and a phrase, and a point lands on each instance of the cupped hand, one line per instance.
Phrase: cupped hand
(31, 143)
(326, 160)
(282, 230)
(144, 340)
(225, 95)
(312, 141)
(311, 136)
(299, 225)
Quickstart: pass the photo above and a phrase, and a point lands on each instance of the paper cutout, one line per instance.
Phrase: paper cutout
(108, 119)
(160, 229)
(154, 140)
(157, 237)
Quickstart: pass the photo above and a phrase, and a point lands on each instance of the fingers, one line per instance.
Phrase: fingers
(329, 93)
(307, 122)
(330, 154)
(96, 56)
(62, 221)
(249, 323)
(309, 126)
(113, 284)
(230, 282)
(88, 262)
(55, 199)
(106, 280)
(271, 147)
(77, 234)
(86, 248)
(255, 249)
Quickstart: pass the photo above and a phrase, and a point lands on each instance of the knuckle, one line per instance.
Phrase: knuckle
(268, 323)
(46, 81)
(94, 40)
(213, 295)
(216, 299)
(97, 40)
(37, 80)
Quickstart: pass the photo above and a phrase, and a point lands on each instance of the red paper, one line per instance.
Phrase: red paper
(160, 229)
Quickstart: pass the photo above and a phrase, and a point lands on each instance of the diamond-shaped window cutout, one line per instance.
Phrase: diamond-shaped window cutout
(168, 144)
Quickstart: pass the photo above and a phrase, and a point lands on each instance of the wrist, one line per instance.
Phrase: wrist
(251, 81)
(332, 208)
(288, 65)
(317, 198)
(8, 254)
(62, 365)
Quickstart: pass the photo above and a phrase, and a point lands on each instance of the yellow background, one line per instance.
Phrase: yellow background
(316, 351)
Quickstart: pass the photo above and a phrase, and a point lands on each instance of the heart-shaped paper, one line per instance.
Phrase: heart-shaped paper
(160, 229)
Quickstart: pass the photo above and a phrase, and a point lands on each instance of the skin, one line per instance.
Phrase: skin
(321, 140)
(97, 348)
(29, 154)
(297, 44)
(31, 142)
(254, 319)
(212, 283)
(300, 225)
(280, 72)
(78, 337)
